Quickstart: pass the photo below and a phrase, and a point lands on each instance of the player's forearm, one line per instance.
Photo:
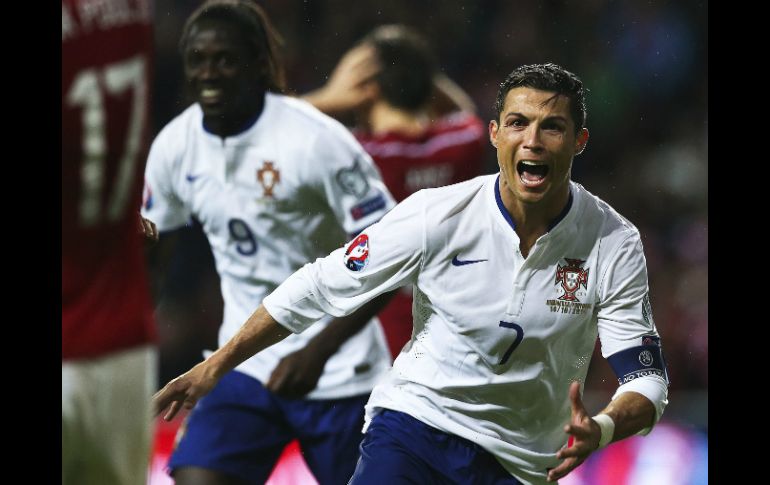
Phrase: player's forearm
(158, 257)
(339, 330)
(256, 334)
(631, 413)
(322, 101)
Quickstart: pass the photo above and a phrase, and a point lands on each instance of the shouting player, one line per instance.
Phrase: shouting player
(515, 276)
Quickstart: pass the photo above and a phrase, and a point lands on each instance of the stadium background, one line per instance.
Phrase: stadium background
(645, 65)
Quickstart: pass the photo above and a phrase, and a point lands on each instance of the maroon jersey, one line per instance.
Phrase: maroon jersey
(106, 58)
(449, 151)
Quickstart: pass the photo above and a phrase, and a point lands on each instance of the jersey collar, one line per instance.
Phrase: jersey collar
(507, 216)
(247, 126)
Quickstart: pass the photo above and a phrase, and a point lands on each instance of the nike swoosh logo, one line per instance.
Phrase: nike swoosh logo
(457, 262)
(192, 178)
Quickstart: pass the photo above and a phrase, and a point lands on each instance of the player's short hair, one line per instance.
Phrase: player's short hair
(547, 77)
(407, 65)
(256, 29)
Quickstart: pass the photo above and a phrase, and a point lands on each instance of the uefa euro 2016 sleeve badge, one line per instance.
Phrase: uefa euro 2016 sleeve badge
(357, 254)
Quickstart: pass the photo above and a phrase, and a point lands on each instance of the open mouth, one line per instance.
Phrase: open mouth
(532, 173)
(210, 95)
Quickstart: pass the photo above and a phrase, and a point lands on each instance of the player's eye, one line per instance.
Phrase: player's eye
(553, 126)
(193, 59)
(227, 60)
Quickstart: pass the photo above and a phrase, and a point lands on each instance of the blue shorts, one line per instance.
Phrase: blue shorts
(241, 428)
(399, 449)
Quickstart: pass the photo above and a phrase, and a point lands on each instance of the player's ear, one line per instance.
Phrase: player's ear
(493, 126)
(581, 140)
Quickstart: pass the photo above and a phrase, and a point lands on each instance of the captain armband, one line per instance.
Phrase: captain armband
(637, 362)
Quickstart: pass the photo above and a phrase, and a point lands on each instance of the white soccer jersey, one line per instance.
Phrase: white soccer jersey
(497, 338)
(287, 190)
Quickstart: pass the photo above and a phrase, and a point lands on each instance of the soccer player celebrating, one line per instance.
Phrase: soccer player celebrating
(275, 184)
(515, 275)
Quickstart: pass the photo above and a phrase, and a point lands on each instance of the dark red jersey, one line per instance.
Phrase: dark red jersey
(106, 62)
(449, 151)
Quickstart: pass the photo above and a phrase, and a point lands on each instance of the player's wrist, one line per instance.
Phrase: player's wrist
(607, 427)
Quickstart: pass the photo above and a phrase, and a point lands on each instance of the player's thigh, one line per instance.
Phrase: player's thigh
(128, 437)
(398, 448)
(329, 433)
(71, 438)
(106, 417)
(387, 457)
(237, 431)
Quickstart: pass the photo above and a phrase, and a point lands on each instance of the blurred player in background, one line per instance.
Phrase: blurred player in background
(108, 335)
(515, 275)
(420, 128)
(275, 184)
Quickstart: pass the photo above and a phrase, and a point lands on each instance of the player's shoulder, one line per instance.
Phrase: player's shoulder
(459, 190)
(305, 116)
(443, 204)
(613, 225)
(171, 143)
(181, 127)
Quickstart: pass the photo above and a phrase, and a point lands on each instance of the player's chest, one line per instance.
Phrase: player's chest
(553, 289)
(218, 181)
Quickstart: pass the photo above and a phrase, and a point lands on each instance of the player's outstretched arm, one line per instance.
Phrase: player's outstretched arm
(297, 374)
(630, 411)
(259, 332)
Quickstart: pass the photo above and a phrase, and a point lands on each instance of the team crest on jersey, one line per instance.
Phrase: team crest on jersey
(268, 176)
(572, 277)
(357, 254)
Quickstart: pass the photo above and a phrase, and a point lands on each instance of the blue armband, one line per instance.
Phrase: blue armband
(641, 361)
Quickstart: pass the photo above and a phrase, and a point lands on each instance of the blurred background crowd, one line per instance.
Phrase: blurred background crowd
(646, 68)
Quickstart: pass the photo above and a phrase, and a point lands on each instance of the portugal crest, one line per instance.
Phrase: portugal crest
(268, 176)
(572, 277)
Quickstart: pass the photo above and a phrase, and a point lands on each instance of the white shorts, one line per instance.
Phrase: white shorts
(106, 417)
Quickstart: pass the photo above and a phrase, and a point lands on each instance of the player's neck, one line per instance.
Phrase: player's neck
(384, 118)
(235, 123)
(532, 220)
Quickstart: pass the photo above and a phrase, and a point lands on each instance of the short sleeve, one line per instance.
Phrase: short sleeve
(385, 256)
(348, 180)
(160, 203)
(625, 314)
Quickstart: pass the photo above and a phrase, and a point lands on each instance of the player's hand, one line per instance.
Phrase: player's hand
(584, 437)
(296, 374)
(184, 391)
(350, 84)
(148, 228)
